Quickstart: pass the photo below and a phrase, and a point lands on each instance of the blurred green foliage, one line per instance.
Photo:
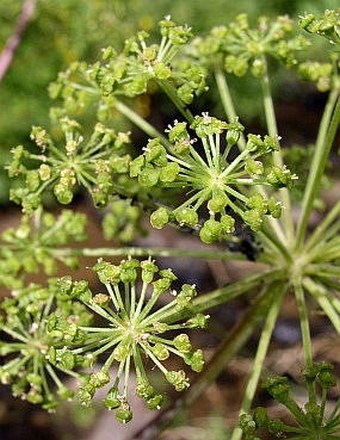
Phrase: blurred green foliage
(66, 30)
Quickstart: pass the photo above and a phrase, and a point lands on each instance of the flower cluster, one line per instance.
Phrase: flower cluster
(49, 331)
(133, 331)
(327, 26)
(122, 221)
(243, 48)
(128, 73)
(92, 164)
(320, 73)
(214, 179)
(311, 419)
(36, 242)
(36, 349)
(324, 74)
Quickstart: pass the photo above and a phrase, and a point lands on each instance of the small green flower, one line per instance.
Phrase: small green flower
(160, 218)
(129, 73)
(321, 73)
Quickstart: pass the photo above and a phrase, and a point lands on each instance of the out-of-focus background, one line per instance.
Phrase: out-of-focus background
(62, 31)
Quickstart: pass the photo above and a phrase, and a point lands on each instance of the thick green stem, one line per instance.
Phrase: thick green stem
(277, 157)
(319, 233)
(141, 123)
(227, 102)
(146, 252)
(278, 244)
(220, 296)
(320, 295)
(327, 131)
(261, 353)
(304, 323)
(233, 342)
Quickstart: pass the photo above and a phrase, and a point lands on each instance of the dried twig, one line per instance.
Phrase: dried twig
(6, 56)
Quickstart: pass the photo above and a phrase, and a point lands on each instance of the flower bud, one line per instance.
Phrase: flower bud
(198, 321)
(274, 207)
(197, 361)
(122, 350)
(155, 153)
(123, 413)
(182, 343)
(212, 231)
(149, 268)
(258, 202)
(218, 202)
(254, 167)
(186, 216)
(99, 379)
(169, 172)
(129, 270)
(253, 218)
(63, 194)
(111, 400)
(155, 402)
(160, 351)
(159, 218)
(177, 379)
(44, 172)
(65, 393)
(162, 71)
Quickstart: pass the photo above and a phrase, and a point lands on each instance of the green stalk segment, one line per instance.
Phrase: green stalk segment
(261, 353)
(328, 128)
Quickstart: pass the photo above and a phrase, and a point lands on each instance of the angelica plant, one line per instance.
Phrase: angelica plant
(205, 174)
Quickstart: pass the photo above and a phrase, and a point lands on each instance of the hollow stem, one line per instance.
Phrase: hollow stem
(171, 92)
(277, 157)
(327, 131)
(222, 295)
(233, 341)
(141, 123)
(319, 232)
(304, 322)
(261, 353)
(227, 102)
(213, 254)
(319, 293)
